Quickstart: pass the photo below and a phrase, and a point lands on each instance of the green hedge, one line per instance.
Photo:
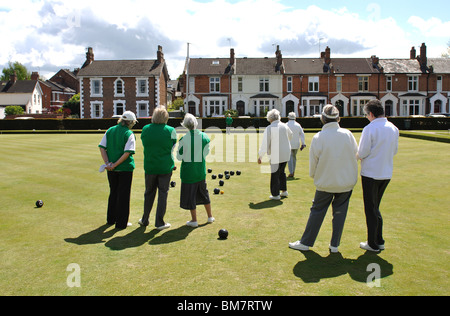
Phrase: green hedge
(309, 123)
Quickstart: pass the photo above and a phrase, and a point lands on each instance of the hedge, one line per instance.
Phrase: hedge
(403, 123)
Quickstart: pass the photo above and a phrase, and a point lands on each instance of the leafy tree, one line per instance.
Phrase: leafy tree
(14, 110)
(73, 104)
(21, 71)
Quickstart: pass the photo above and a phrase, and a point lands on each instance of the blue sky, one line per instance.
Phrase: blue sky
(46, 35)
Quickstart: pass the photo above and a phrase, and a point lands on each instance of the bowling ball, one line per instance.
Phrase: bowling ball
(223, 234)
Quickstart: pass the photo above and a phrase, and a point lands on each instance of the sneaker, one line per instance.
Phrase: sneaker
(284, 194)
(141, 223)
(165, 226)
(211, 219)
(297, 245)
(334, 249)
(365, 246)
(276, 198)
(192, 224)
(381, 247)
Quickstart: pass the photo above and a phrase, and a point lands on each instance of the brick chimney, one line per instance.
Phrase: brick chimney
(422, 59)
(89, 57)
(13, 78)
(412, 53)
(232, 56)
(160, 55)
(35, 76)
(279, 55)
(327, 55)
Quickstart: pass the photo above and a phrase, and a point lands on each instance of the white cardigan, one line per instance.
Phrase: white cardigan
(276, 142)
(332, 159)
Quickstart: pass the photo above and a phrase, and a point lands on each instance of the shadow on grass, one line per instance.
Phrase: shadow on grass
(134, 239)
(173, 235)
(316, 267)
(96, 236)
(264, 204)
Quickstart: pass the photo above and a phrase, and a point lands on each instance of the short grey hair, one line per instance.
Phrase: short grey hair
(189, 122)
(160, 115)
(330, 114)
(273, 115)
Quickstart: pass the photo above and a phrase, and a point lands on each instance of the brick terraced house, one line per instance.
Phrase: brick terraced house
(111, 87)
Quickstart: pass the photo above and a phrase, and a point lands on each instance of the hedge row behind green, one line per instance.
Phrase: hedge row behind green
(403, 123)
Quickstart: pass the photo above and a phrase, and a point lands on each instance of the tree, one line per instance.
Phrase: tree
(447, 53)
(14, 110)
(74, 105)
(21, 71)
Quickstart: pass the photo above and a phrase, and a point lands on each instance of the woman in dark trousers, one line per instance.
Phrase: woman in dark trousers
(117, 148)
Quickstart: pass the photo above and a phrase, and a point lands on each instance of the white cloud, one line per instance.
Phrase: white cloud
(54, 33)
(433, 27)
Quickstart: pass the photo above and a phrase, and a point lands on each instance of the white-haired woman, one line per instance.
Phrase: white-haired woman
(192, 151)
(117, 148)
(333, 165)
(158, 140)
(276, 144)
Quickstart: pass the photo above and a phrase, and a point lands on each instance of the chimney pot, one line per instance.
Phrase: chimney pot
(412, 54)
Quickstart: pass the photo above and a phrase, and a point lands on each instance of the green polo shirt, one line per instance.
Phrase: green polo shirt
(229, 121)
(158, 141)
(117, 141)
(192, 151)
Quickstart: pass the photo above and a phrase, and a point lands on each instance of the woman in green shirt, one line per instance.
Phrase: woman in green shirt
(192, 151)
(158, 140)
(117, 148)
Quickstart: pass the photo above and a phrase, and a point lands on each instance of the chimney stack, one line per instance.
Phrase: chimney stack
(232, 56)
(160, 54)
(35, 76)
(279, 55)
(412, 54)
(89, 57)
(13, 78)
(422, 59)
(327, 55)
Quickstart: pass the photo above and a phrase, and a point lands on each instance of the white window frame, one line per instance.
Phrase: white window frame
(408, 103)
(214, 84)
(363, 84)
(313, 84)
(439, 83)
(264, 84)
(100, 104)
(289, 84)
(116, 93)
(389, 83)
(338, 83)
(413, 83)
(138, 103)
(116, 102)
(138, 86)
(100, 90)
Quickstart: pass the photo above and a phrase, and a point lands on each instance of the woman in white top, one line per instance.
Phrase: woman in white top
(276, 144)
(297, 136)
(333, 165)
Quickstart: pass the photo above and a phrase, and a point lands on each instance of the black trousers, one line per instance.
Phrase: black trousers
(278, 178)
(119, 198)
(161, 183)
(373, 191)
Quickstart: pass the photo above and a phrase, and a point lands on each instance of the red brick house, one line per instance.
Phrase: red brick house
(111, 87)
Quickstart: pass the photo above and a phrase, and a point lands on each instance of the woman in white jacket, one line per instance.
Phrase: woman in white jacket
(333, 165)
(276, 144)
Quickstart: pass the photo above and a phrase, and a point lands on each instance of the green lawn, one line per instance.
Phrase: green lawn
(37, 245)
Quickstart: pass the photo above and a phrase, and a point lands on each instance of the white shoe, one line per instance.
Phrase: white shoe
(167, 225)
(284, 194)
(297, 245)
(192, 224)
(141, 223)
(276, 198)
(129, 225)
(334, 249)
(211, 219)
(365, 246)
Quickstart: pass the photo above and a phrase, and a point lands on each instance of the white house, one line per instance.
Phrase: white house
(25, 93)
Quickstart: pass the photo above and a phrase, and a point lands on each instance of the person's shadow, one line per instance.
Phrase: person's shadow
(174, 235)
(97, 236)
(316, 267)
(134, 239)
(264, 204)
